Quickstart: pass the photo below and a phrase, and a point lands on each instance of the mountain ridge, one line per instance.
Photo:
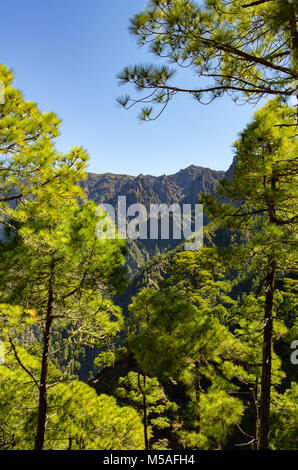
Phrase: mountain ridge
(181, 187)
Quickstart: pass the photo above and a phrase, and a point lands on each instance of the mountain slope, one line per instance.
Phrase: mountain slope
(183, 187)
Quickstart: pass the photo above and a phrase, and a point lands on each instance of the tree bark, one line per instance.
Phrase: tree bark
(145, 415)
(257, 412)
(43, 386)
(198, 396)
(263, 443)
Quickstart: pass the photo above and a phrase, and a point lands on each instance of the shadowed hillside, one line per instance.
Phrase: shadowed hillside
(183, 187)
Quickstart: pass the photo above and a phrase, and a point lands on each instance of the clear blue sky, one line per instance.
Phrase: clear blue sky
(66, 54)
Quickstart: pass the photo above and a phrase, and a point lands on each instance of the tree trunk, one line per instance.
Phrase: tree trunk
(198, 396)
(145, 417)
(257, 412)
(43, 387)
(293, 28)
(267, 358)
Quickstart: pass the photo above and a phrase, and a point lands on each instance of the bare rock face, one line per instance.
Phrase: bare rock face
(183, 187)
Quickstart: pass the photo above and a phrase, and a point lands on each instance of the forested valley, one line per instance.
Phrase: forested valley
(111, 344)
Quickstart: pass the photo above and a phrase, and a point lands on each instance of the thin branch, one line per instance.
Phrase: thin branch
(258, 2)
(21, 364)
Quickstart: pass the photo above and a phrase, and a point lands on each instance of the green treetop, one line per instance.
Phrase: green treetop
(177, 334)
(30, 167)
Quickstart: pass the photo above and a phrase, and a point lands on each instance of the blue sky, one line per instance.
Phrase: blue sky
(66, 54)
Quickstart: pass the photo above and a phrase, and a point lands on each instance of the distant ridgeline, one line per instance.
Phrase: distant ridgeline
(183, 187)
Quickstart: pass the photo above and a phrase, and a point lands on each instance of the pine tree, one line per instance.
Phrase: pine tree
(82, 420)
(31, 170)
(78, 418)
(179, 333)
(147, 396)
(18, 394)
(248, 329)
(53, 263)
(64, 274)
(263, 208)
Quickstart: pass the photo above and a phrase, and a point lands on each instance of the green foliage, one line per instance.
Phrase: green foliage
(34, 177)
(53, 259)
(57, 272)
(110, 357)
(284, 420)
(248, 50)
(218, 414)
(263, 213)
(177, 333)
(85, 421)
(77, 417)
(148, 397)
(131, 391)
(18, 395)
(263, 192)
(68, 264)
(248, 329)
